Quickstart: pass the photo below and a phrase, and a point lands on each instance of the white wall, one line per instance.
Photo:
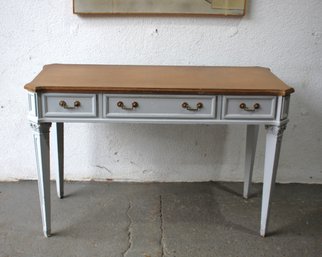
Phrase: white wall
(283, 35)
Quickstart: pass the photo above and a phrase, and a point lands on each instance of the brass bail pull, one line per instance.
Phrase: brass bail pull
(122, 105)
(186, 106)
(63, 104)
(247, 109)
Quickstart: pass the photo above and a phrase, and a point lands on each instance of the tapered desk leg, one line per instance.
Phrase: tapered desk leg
(60, 159)
(41, 141)
(273, 145)
(251, 142)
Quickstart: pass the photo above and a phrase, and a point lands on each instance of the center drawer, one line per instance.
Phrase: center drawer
(163, 106)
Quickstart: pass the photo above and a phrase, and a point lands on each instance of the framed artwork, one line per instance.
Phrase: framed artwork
(187, 7)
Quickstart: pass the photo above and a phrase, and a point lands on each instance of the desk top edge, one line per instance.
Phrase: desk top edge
(207, 80)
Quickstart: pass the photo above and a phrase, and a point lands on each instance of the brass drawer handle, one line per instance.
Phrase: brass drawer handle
(186, 106)
(121, 105)
(247, 109)
(63, 104)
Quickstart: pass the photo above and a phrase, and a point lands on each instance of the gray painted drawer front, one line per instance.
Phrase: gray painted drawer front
(51, 106)
(232, 108)
(150, 106)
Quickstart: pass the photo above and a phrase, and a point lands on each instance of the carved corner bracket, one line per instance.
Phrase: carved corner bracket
(276, 130)
(42, 128)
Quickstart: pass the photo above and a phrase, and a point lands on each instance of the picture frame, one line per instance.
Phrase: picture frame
(161, 7)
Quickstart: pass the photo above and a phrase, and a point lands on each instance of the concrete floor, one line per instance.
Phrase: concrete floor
(160, 219)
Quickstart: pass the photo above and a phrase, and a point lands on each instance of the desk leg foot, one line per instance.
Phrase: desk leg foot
(273, 145)
(251, 142)
(47, 233)
(41, 141)
(60, 159)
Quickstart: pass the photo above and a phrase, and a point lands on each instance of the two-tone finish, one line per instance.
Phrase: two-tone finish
(157, 94)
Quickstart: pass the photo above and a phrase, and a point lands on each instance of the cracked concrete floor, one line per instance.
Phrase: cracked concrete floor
(160, 220)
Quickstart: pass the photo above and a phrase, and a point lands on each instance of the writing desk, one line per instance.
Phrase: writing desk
(158, 94)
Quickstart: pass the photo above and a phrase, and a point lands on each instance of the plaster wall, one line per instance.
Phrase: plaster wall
(283, 35)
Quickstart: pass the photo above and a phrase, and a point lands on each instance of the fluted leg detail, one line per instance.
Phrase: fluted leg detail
(41, 141)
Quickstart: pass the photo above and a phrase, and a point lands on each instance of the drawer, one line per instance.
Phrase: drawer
(69, 105)
(249, 107)
(163, 106)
